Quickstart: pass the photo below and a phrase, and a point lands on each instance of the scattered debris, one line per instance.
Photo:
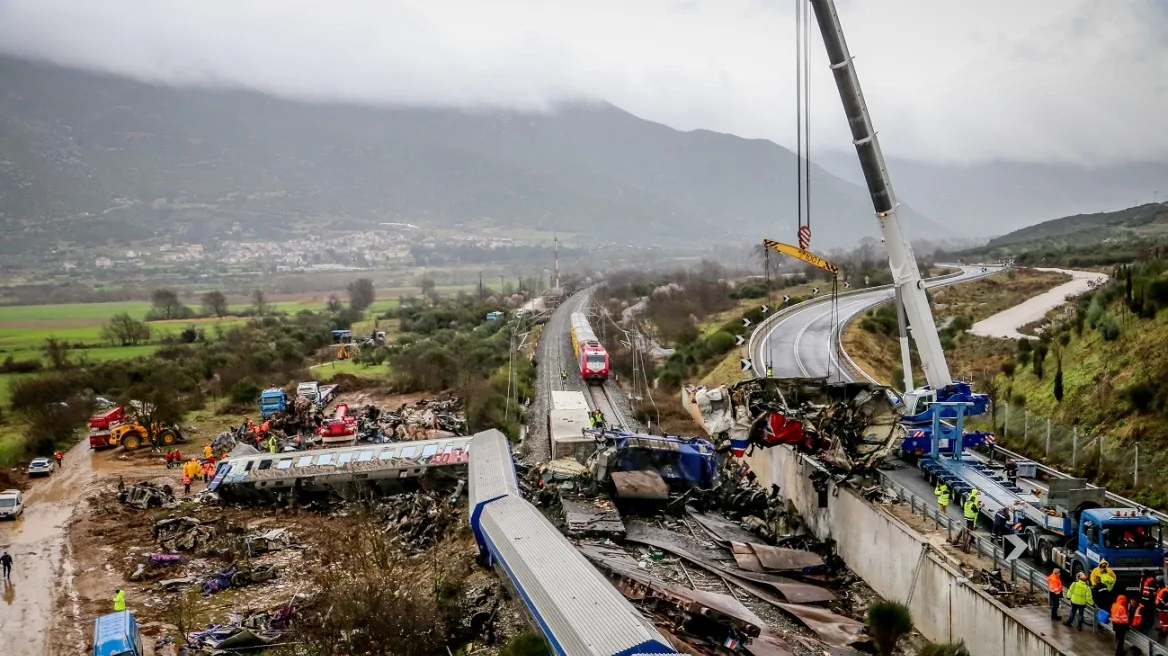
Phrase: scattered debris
(717, 563)
(592, 516)
(146, 495)
(273, 540)
(849, 426)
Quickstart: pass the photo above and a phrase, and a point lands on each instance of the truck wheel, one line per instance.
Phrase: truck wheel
(131, 441)
(1044, 551)
(1032, 541)
(1076, 570)
(168, 437)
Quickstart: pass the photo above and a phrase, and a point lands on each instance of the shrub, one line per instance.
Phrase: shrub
(245, 390)
(1108, 328)
(888, 622)
(720, 342)
(944, 649)
(13, 366)
(526, 644)
(1009, 367)
(1140, 395)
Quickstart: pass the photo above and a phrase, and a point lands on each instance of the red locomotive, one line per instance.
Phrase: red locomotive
(591, 357)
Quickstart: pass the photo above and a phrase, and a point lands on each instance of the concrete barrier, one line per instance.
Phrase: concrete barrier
(898, 563)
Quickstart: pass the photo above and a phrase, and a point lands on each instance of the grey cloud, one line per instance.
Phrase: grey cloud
(1046, 80)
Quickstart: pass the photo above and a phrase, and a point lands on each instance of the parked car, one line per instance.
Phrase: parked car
(11, 504)
(40, 467)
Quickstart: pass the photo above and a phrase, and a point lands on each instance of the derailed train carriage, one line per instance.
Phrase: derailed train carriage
(346, 472)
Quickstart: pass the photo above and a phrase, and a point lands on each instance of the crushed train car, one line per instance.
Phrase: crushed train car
(345, 471)
(850, 426)
(681, 462)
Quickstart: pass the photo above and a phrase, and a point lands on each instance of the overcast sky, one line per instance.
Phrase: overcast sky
(1036, 80)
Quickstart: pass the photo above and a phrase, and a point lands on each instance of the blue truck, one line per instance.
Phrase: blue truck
(272, 400)
(117, 634)
(1065, 525)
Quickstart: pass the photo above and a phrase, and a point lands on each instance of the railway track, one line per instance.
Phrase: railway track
(601, 399)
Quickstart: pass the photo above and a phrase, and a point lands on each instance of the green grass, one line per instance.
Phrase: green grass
(329, 369)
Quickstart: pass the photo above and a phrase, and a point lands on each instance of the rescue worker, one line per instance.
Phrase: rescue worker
(942, 494)
(271, 444)
(119, 600)
(770, 371)
(1162, 610)
(1079, 595)
(208, 470)
(207, 452)
(563, 377)
(973, 494)
(1147, 591)
(970, 512)
(187, 482)
(1011, 471)
(1120, 623)
(1054, 583)
(1000, 521)
(1102, 582)
(59, 456)
(6, 563)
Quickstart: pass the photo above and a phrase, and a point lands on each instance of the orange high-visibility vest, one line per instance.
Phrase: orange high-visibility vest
(1055, 582)
(1119, 613)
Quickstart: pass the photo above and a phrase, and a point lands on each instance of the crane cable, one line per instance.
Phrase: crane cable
(802, 119)
(803, 162)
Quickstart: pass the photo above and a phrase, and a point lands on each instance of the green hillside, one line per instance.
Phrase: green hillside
(1103, 238)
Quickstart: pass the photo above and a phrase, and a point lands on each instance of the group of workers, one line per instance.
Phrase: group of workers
(193, 468)
(969, 509)
(1098, 589)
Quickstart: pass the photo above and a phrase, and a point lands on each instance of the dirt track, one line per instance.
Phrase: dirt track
(42, 570)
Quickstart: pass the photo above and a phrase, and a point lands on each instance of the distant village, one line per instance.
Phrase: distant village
(349, 251)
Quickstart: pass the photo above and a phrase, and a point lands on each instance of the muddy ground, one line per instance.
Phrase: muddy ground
(75, 545)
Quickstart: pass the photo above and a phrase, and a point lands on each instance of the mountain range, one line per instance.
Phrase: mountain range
(996, 198)
(88, 159)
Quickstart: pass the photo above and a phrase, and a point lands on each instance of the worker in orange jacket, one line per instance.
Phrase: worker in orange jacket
(1054, 584)
(1120, 623)
(1162, 609)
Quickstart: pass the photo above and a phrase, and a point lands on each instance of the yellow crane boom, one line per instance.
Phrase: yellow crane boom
(799, 253)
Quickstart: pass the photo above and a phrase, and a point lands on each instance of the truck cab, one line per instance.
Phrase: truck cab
(1127, 539)
(272, 400)
(117, 634)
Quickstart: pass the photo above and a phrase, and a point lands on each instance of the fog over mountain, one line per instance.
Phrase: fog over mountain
(988, 89)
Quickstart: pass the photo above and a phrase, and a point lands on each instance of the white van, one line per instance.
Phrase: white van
(11, 504)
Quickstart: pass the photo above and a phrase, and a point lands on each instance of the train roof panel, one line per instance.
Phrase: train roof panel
(577, 607)
(492, 471)
(568, 400)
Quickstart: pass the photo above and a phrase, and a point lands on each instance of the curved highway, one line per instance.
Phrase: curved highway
(804, 341)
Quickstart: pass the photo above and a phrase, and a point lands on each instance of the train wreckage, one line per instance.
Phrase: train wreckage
(345, 471)
(849, 426)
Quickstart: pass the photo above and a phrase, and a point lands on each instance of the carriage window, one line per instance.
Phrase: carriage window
(429, 450)
(408, 452)
(284, 464)
(326, 459)
(304, 461)
(366, 456)
(387, 454)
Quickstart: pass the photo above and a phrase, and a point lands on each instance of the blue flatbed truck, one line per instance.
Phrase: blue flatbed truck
(1065, 525)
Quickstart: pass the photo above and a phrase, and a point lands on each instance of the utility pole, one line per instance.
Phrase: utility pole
(480, 286)
(556, 241)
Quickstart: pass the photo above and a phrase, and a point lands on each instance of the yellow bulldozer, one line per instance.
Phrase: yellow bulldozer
(133, 435)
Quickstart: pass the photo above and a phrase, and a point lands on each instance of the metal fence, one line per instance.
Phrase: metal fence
(1104, 459)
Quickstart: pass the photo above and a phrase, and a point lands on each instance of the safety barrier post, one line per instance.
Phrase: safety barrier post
(1074, 445)
(1047, 457)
